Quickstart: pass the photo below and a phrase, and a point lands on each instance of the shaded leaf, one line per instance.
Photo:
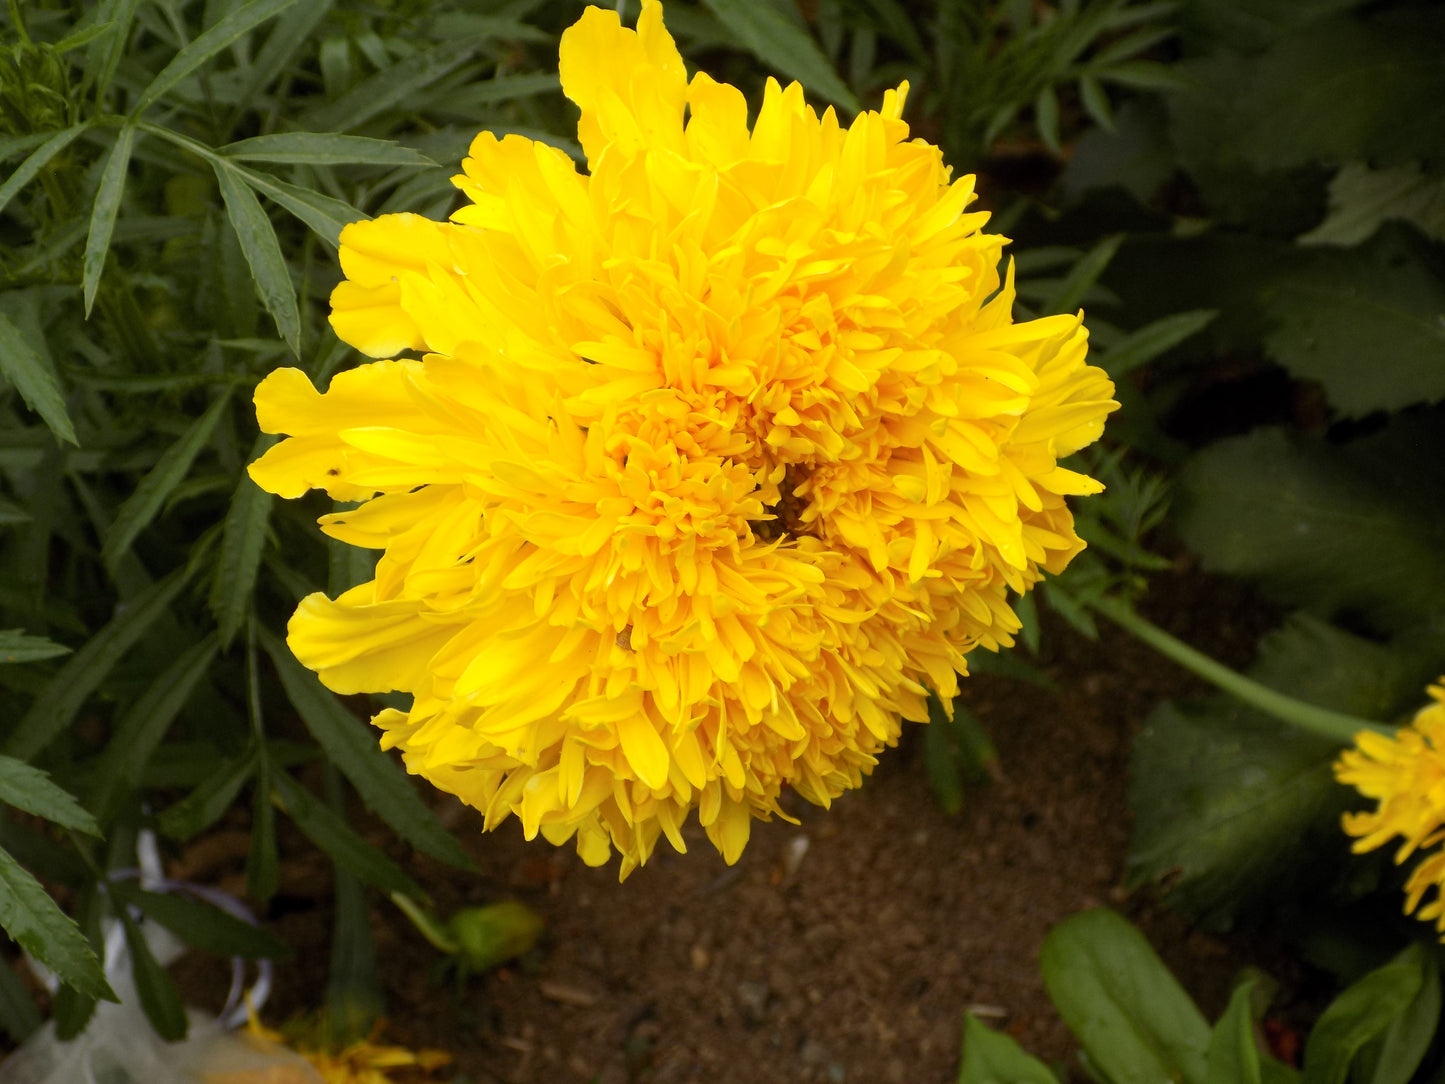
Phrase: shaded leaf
(1150, 341)
(158, 995)
(324, 149)
(1362, 199)
(243, 539)
(1233, 1056)
(31, 918)
(201, 808)
(39, 158)
(18, 1015)
(1131, 1016)
(203, 926)
(35, 379)
(1083, 274)
(1361, 1013)
(29, 789)
(326, 216)
(782, 43)
(16, 646)
(104, 210)
(991, 1057)
(334, 836)
(263, 255)
(1393, 1057)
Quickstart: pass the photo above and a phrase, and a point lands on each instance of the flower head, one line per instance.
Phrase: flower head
(1405, 774)
(719, 456)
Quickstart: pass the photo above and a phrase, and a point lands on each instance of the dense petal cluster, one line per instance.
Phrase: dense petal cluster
(718, 456)
(1405, 774)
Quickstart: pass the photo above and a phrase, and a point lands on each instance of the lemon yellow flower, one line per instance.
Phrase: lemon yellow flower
(718, 456)
(1405, 774)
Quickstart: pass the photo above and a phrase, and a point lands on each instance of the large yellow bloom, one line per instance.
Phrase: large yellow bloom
(718, 455)
(1405, 774)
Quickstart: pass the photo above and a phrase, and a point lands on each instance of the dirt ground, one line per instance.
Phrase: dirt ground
(842, 949)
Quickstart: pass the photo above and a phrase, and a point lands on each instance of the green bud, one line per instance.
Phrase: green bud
(487, 937)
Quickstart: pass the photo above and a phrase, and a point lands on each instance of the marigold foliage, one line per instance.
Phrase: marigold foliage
(719, 455)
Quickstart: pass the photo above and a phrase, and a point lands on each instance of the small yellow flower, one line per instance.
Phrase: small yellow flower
(718, 456)
(1405, 774)
(362, 1062)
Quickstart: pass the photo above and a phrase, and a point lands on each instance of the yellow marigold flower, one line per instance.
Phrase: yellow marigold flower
(1405, 774)
(718, 455)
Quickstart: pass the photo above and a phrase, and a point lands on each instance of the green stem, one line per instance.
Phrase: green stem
(426, 924)
(1316, 720)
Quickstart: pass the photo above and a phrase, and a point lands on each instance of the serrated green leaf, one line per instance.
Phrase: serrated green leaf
(1131, 1016)
(263, 255)
(329, 832)
(203, 926)
(204, 806)
(782, 44)
(159, 998)
(35, 379)
(104, 210)
(354, 748)
(31, 918)
(991, 1057)
(1368, 324)
(151, 493)
(1153, 339)
(16, 646)
(143, 726)
(1363, 199)
(1362, 1013)
(39, 158)
(324, 149)
(243, 539)
(1233, 1056)
(236, 25)
(54, 709)
(1357, 528)
(29, 789)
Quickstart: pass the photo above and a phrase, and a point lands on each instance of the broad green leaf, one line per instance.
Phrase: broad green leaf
(144, 724)
(991, 1057)
(204, 806)
(39, 158)
(35, 379)
(263, 256)
(150, 494)
(29, 789)
(203, 926)
(1368, 324)
(1134, 1020)
(54, 709)
(1150, 341)
(1363, 1012)
(1084, 273)
(158, 995)
(354, 748)
(18, 1015)
(31, 918)
(1355, 528)
(1230, 807)
(236, 25)
(781, 43)
(324, 149)
(104, 210)
(1233, 1056)
(242, 540)
(15, 646)
(334, 836)
(1393, 1057)
(326, 216)
(1362, 199)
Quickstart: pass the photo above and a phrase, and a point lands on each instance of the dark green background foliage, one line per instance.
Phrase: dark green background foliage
(1248, 197)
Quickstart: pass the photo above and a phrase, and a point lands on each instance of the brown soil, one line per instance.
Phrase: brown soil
(843, 948)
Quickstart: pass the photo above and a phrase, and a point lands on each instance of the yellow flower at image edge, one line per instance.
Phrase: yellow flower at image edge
(718, 457)
(1405, 774)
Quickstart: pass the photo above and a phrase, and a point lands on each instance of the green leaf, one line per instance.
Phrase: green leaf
(1362, 199)
(390, 87)
(158, 995)
(203, 926)
(1153, 339)
(324, 149)
(1230, 807)
(1355, 529)
(243, 539)
(329, 832)
(104, 210)
(15, 646)
(54, 709)
(1082, 275)
(105, 53)
(263, 867)
(1134, 1020)
(781, 43)
(35, 379)
(151, 493)
(201, 808)
(263, 255)
(326, 216)
(990, 1057)
(29, 789)
(940, 756)
(1384, 303)
(1363, 1012)
(1233, 1056)
(231, 29)
(354, 748)
(1046, 117)
(18, 1015)
(1095, 100)
(144, 724)
(1393, 1057)
(25, 172)
(31, 917)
